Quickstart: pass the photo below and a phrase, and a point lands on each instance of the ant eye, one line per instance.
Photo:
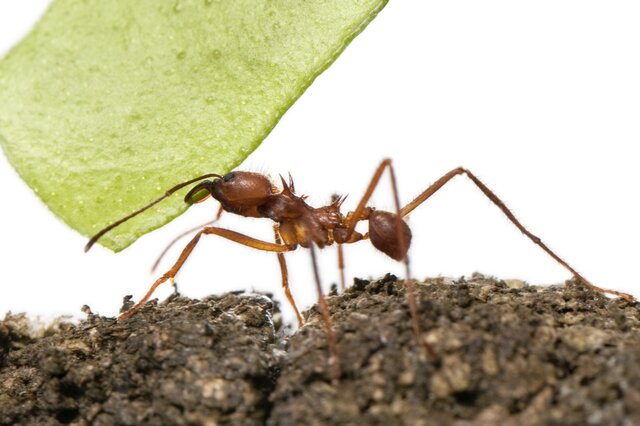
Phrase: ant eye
(228, 176)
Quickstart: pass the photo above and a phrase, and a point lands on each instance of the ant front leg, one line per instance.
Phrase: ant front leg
(184, 234)
(505, 210)
(186, 252)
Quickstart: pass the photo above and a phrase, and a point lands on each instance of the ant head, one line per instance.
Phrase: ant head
(242, 192)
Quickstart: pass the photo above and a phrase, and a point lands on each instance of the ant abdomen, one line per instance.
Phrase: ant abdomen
(384, 235)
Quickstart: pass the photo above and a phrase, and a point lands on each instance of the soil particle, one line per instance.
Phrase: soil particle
(506, 353)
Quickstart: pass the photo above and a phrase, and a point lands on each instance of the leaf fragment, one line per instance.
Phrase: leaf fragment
(106, 104)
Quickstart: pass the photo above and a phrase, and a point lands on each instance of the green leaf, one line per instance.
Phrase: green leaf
(106, 104)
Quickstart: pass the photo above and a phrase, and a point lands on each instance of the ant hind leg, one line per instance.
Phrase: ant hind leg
(507, 212)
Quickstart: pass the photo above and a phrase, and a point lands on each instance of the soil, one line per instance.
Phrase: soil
(505, 353)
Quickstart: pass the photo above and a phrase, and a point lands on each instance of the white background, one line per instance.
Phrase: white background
(540, 99)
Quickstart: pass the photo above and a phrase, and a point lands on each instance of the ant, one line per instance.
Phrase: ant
(298, 224)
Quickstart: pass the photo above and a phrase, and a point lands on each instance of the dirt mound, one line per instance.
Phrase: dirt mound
(506, 353)
(181, 362)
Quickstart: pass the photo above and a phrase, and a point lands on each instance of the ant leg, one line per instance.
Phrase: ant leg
(357, 214)
(169, 275)
(224, 233)
(410, 285)
(285, 278)
(174, 284)
(337, 200)
(184, 234)
(341, 267)
(505, 210)
(334, 357)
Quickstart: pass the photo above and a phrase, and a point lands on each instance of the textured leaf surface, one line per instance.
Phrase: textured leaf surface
(108, 103)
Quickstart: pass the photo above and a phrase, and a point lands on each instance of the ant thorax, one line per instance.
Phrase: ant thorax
(299, 223)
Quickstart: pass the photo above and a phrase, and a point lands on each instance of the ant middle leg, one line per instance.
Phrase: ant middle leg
(341, 267)
(334, 356)
(437, 185)
(285, 278)
(338, 200)
(186, 252)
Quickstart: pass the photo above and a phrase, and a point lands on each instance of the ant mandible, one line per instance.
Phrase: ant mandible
(298, 224)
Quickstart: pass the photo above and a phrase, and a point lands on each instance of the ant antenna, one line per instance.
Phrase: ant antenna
(97, 236)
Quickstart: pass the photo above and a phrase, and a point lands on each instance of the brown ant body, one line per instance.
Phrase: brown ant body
(299, 224)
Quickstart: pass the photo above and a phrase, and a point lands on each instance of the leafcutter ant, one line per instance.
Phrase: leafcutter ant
(298, 224)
